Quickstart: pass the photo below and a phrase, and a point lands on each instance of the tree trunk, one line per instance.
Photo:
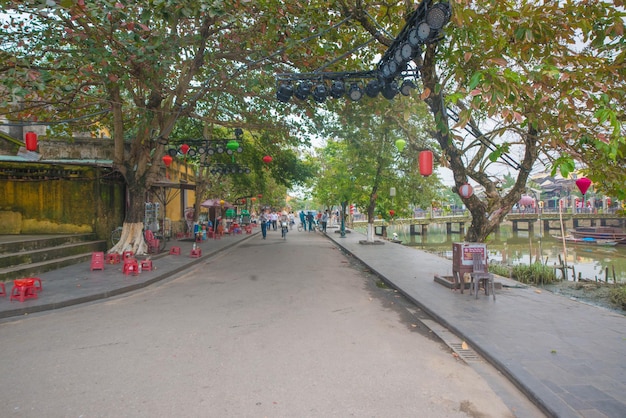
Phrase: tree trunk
(133, 228)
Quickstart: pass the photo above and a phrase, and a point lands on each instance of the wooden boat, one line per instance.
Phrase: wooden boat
(600, 232)
(587, 241)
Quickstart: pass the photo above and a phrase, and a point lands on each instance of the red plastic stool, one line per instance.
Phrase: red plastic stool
(146, 265)
(128, 255)
(23, 289)
(3, 290)
(175, 250)
(36, 281)
(196, 253)
(113, 258)
(97, 261)
(130, 267)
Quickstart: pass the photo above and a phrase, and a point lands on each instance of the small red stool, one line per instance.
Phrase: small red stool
(131, 267)
(175, 250)
(128, 255)
(146, 265)
(36, 283)
(97, 261)
(3, 290)
(113, 258)
(196, 253)
(24, 289)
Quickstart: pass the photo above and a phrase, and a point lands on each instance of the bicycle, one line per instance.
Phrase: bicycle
(116, 235)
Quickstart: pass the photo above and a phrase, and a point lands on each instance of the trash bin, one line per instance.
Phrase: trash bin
(463, 258)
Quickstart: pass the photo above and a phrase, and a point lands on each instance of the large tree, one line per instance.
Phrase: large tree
(530, 80)
(137, 67)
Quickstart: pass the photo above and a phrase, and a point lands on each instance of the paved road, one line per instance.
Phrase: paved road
(271, 328)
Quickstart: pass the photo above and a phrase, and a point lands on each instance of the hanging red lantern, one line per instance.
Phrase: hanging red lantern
(243, 201)
(466, 190)
(583, 184)
(184, 149)
(253, 199)
(260, 195)
(267, 159)
(426, 163)
(167, 160)
(392, 212)
(31, 141)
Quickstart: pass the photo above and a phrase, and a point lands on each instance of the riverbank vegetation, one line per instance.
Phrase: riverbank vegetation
(599, 293)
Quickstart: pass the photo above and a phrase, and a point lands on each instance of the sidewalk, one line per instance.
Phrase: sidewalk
(568, 357)
(77, 284)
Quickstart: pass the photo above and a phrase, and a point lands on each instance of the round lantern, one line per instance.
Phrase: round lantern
(184, 149)
(259, 195)
(167, 160)
(243, 200)
(230, 213)
(392, 212)
(426, 163)
(466, 190)
(254, 199)
(31, 141)
(232, 145)
(267, 159)
(222, 202)
(400, 144)
(583, 184)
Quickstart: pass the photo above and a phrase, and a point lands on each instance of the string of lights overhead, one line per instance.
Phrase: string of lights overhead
(395, 72)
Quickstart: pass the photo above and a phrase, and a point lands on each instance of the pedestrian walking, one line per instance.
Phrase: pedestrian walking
(310, 219)
(264, 222)
(324, 220)
(303, 220)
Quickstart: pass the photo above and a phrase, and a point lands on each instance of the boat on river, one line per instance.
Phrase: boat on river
(587, 241)
(600, 233)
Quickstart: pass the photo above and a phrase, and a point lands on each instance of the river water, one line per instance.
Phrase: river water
(523, 247)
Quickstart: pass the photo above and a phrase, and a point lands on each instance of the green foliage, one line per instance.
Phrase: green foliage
(534, 274)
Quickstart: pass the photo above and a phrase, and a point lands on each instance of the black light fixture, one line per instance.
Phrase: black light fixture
(355, 93)
(390, 89)
(438, 15)
(284, 92)
(372, 88)
(337, 89)
(303, 90)
(406, 87)
(320, 93)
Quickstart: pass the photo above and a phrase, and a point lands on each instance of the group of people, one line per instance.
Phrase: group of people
(273, 219)
(309, 220)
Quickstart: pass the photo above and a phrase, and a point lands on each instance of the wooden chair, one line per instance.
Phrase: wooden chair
(480, 274)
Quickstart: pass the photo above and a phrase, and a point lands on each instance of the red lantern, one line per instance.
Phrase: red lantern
(167, 160)
(583, 184)
(426, 163)
(31, 141)
(466, 190)
(184, 149)
(243, 200)
(253, 199)
(267, 159)
(392, 212)
(260, 195)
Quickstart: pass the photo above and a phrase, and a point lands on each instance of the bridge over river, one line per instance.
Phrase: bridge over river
(521, 221)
